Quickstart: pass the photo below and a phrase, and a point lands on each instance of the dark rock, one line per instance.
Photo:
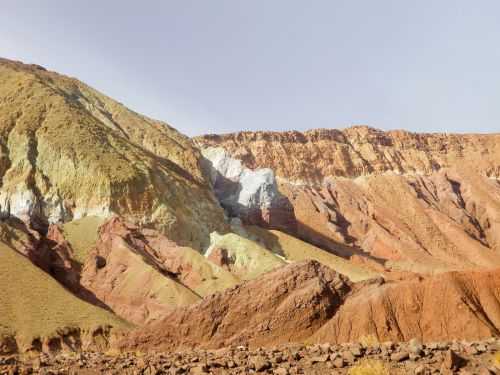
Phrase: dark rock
(452, 361)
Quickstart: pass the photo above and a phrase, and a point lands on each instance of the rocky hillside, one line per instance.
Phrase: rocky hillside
(396, 200)
(119, 233)
(36, 312)
(88, 187)
(308, 302)
(67, 151)
(312, 156)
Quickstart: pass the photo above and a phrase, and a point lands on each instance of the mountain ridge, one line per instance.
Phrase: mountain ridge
(136, 237)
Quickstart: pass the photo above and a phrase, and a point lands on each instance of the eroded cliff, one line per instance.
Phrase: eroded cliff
(396, 200)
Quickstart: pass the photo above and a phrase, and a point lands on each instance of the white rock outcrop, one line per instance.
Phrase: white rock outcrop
(251, 195)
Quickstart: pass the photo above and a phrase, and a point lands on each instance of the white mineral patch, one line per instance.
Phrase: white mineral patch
(21, 203)
(222, 163)
(255, 188)
(99, 211)
(25, 205)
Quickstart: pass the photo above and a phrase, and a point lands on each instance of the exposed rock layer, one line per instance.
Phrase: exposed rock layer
(37, 313)
(394, 200)
(358, 151)
(251, 195)
(287, 304)
(455, 305)
(136, 272)
(308, 301)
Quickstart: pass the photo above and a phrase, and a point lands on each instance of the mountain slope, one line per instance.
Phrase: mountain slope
(286, 304)
(397, 201)
(33, 306)
(67, 151)
(309, 302)
(454, 305)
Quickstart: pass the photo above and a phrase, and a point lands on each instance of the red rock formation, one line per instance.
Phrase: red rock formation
(455, 305)
(136, 272)
(127, 274)
(287, 304)
(358, 151)
(309, 302)
(395, 200)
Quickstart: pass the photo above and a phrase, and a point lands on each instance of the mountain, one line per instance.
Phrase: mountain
(68, 151)
(118, 232)
(312, 156)
(408, 202)
(287, 304)
(71, 159)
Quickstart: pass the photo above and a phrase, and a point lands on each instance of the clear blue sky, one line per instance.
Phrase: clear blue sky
(211, 66)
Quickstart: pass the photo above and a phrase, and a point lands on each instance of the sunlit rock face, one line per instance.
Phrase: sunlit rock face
(251, 195)
(413, 202)
(68, 151)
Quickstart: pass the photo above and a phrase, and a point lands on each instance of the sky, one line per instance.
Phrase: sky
(221, 66)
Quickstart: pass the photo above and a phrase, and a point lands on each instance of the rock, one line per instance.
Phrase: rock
(151, 370)
(259, 363)
(201, 369)
(318, 288)
(415, 346)
(408, 312)
(339, 362)
(420, 370)
(452, 361)
(348, 357)
(281, 371)
(443, 345)
(414, 357)
(400, 356)
(456, 347)
(356, 350)
(118, 244)
(481, 348)
(320, 359)
(471, 350)
(325, 348)
(485, 371)
(432, 346)
(251, 195)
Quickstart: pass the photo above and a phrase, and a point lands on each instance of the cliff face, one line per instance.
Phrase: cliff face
(311, 156)
(397, 200)
(67, 151)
